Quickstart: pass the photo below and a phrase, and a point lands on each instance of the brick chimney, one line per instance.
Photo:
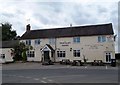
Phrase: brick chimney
(28, 27)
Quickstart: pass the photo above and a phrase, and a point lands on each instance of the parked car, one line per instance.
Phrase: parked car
(97, 63)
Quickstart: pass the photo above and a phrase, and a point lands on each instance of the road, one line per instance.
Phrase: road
(36, 73)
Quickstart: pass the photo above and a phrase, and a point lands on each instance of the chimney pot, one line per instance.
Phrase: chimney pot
(70, 25)
(28, 27)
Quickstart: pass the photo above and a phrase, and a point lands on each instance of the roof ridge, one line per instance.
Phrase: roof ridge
(72, 26)
(88, 30)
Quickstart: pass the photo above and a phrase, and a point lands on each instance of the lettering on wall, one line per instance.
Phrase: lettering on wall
(95, 46)
(65, 43)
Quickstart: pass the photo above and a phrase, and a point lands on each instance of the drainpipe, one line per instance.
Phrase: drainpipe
(55, 50)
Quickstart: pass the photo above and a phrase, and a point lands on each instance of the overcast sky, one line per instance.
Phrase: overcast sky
(43, 14)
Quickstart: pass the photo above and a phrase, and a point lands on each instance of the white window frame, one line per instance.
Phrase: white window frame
(2, 56)
(76, 53)
(30, 54)
(102, 39)
(61, 54)
(37, 41)
(108, 55)
(76, 39)
(28, 42)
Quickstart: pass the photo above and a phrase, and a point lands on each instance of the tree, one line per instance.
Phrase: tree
(20, 51)
(7, 32)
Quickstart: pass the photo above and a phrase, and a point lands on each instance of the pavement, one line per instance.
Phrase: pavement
(37, 73)
(34, 65)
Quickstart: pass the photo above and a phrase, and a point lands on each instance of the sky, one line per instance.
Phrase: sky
(46, 14)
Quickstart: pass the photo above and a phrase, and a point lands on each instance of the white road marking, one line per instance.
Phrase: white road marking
(65, 76)
(106, 67)
(43, 81)
(50, 80)
(7, 75)
(68, 66)
(21, 76)
(27, 77)
(12, 75)
(44, 78)
(36, 79)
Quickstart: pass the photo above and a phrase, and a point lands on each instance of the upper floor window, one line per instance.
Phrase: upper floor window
(76, 53)
(101, 38)
(28, 42)
(76, 39)
(52, 41)
(61, 53)
(30, 54)
(2, 56)
(37, 41)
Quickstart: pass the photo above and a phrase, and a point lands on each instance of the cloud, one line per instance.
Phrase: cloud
(49, 14)
(57, 13)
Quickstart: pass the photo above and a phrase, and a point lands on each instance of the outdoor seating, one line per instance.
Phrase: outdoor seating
(49, 62)
(97, 63)
(77, 63)
(65, 62)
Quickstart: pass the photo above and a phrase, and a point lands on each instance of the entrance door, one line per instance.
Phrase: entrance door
(46, 56)
(108, 57)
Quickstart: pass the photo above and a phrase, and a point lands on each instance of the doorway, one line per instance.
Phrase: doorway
(46, 56)
(108, 57)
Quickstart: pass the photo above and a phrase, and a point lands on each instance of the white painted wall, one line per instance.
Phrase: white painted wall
(88, 46)
(7, 52)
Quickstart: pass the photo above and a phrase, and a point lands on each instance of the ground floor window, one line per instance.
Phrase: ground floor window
(76, 53)
(61, 53)
(2, 56)
(30, 54)
(108, 57)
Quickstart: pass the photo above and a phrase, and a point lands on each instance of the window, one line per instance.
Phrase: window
(76, 53)
(108, 57)
(28, 42)
(3, 56)
(30, 54)
(76, 39)
(51, 41)
(61, 53)
(101, 38)
(37, 41)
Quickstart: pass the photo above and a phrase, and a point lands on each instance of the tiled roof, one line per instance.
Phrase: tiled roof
(50, 47)
(90, 30)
